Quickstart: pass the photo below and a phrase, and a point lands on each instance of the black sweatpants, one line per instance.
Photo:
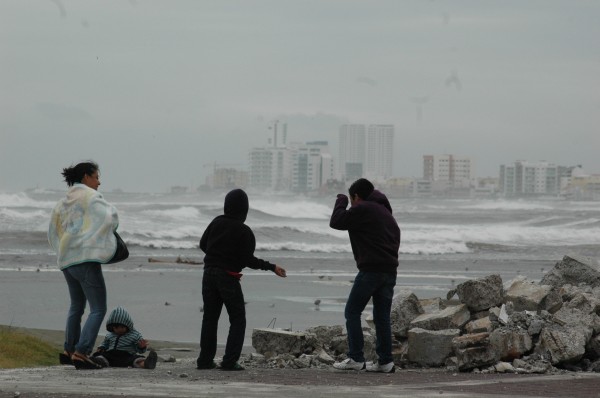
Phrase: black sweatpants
(220, 288)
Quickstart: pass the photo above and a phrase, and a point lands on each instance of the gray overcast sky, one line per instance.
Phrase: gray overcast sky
(155, 90)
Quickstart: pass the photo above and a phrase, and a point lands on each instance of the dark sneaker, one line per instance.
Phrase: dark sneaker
(151, 359)
(210, 365)
(236, 366)
(84, 362)
(65, 359)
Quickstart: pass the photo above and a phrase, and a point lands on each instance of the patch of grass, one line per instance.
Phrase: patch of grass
(21, 350)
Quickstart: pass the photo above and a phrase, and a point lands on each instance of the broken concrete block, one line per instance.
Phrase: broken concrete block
(474, 351)
(573, 270)
(527, 295)
(479, 325)
(430, 347)
(405, 308)
(561, 344)
(510, 343)
(278, 341)
(481, 294)
(454, 317)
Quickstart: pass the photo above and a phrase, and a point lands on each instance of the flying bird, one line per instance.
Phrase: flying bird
(453, 80)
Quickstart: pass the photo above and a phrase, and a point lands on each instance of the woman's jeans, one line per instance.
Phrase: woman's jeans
(379, 286)
(218, 289)
(86, 283)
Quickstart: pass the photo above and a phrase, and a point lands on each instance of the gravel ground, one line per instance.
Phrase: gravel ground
(181, 379)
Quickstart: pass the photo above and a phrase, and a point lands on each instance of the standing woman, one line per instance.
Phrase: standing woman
(82, 233)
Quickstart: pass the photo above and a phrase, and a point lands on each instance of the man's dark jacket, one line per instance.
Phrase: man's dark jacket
(374, 233)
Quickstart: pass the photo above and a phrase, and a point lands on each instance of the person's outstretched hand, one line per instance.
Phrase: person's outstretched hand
(279, 271)
(143, 343)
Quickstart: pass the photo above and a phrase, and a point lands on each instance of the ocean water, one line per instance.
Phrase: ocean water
(444, 242)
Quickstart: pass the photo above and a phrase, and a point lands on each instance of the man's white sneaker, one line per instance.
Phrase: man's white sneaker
(349, 364)
(376, 367)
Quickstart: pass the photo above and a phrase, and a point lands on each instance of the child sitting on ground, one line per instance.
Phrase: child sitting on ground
(123, 344)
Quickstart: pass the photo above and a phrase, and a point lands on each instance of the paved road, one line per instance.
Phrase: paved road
(181, 379)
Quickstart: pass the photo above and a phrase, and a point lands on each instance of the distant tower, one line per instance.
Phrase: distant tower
(380, 151)
(352, 151)
(275, 128)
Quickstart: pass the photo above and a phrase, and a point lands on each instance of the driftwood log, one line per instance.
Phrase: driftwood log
(178, 260)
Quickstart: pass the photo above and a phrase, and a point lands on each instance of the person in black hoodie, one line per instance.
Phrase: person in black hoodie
(229, 246)
(375, 240)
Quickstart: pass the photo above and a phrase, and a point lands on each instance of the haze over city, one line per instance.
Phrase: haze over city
(157, 91)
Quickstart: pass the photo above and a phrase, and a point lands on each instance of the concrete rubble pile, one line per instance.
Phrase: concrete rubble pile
(523, 327)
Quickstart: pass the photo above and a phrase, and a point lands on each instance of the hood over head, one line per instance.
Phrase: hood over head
(236, 204)
(119, 316)
(378, 197)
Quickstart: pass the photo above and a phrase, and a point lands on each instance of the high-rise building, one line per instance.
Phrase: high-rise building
(525, 178)
(293, 167)
(448, 171)
(311, 166)
(379, 151)
(366, 152)
(351, 161)
(270, 168)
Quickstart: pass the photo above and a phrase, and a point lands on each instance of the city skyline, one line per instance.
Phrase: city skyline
(155, 90)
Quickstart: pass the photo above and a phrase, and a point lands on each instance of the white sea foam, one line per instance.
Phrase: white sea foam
(162, 244)
(508, 205)
(21, 199)
(293, 209)
(180, 213)
(304, 247)
(515, 234)
(16, 215)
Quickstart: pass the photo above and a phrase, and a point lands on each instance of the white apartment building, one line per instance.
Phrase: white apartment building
(270, 168)
(525, 178)
(296, 167)
(379, 151)
(312, 166)
(449, 171)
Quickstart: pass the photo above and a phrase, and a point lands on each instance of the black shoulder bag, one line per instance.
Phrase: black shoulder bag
(122, 252)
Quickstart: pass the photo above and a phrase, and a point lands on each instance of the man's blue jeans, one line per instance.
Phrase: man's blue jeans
(86, 283)
(379, 286)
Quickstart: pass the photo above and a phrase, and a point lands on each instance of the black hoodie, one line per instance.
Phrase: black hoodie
(228, 242)
(374, 233)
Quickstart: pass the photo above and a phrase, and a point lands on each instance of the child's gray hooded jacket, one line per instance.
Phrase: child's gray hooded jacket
(127, 342)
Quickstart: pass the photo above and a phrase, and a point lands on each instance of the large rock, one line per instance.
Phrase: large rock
(270, 342)
(573, 270)
(430, 348)
(481, 294)
(405, 308)
(430, 305)
(510, 343)
(325, 334)
(474, 350)
(562, 345)
(574, 318)
(339, 345)
(479, 325)
(529, 296)
(454, 317)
